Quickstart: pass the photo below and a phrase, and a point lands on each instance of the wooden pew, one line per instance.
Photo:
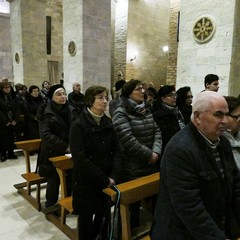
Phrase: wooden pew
(131, 192)
(31, 178)
(63, 163)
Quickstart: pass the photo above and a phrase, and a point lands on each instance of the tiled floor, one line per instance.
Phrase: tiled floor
(18, 219)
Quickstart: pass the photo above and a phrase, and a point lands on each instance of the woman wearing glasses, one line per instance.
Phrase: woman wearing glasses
(184, 102)
(95, 151)
(167, 115)
(139, 137)
(233, 126)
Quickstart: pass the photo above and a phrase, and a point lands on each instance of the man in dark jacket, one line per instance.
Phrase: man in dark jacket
(200, 184)
(76, 98)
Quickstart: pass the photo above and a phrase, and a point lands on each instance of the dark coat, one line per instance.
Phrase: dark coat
(139, 137)
(76, 99)
(194, 200)
(54, 130)
(8, 112)
(31, 128)
(167, 122)
(95, 151)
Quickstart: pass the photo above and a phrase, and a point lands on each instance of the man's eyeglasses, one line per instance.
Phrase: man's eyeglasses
(237, 118)
(102, 98)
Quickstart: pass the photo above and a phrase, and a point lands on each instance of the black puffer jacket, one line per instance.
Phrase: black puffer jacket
(54, 126)
(139, 137)
(96, 155)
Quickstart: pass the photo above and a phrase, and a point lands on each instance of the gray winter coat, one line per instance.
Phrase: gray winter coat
(139, 137)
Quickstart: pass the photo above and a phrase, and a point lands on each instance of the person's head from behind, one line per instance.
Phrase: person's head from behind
(184, 96)
(76, 87)
(167, 95)
(233, 124)
(211, 82)
(149, 97)
(34, 91)
(96, 98)
(209, 114)
(119, 85)
(46, 85)
(57, 94)
(134, 90)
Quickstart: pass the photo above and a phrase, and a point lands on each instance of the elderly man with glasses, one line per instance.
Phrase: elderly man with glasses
(200, 183)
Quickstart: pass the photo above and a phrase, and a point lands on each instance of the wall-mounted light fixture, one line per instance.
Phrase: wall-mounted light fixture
(165, 49)
(134, 56)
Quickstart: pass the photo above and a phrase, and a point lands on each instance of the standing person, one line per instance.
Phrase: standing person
(184, 102)
(34, 100)
(200, 183)
(167, 115)
(55, 118)
(9, 116)
(211, 82)
(95, 151)
(44, 91)
(139, 137)
(233, 127)
(118, 92)
(76, 98)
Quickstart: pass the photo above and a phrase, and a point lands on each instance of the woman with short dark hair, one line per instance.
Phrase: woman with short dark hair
(139, 137)
(96, 156)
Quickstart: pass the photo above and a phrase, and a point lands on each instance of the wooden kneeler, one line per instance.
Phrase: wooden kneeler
(32, 178)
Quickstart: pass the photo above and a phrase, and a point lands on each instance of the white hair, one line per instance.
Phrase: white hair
(205, 101)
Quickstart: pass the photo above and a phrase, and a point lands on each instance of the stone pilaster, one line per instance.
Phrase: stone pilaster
(28, 36)
(88, 25)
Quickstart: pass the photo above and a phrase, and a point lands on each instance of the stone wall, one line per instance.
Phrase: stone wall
(5, 47)
(234, 83)
(196, 60)
(148, 32)
(173, 42)
(54, 9)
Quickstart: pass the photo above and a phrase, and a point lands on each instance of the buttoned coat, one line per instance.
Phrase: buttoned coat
(96, 156)
(194, 200)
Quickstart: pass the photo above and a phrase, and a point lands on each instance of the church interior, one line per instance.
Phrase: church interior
(174, 42)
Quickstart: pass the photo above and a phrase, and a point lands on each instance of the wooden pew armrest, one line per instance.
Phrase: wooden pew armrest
(135, 190)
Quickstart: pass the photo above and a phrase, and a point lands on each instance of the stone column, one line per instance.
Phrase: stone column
(28, 36)
(196, 60)
(87, 42)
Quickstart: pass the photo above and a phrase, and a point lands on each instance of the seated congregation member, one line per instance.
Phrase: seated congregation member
(76, 98)
(139, 137)
(184, 102)
(200, 183)
(55, 118)
(9, 116)
(167, 116)
(96, 156)
(233, 127)
(33, 102)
